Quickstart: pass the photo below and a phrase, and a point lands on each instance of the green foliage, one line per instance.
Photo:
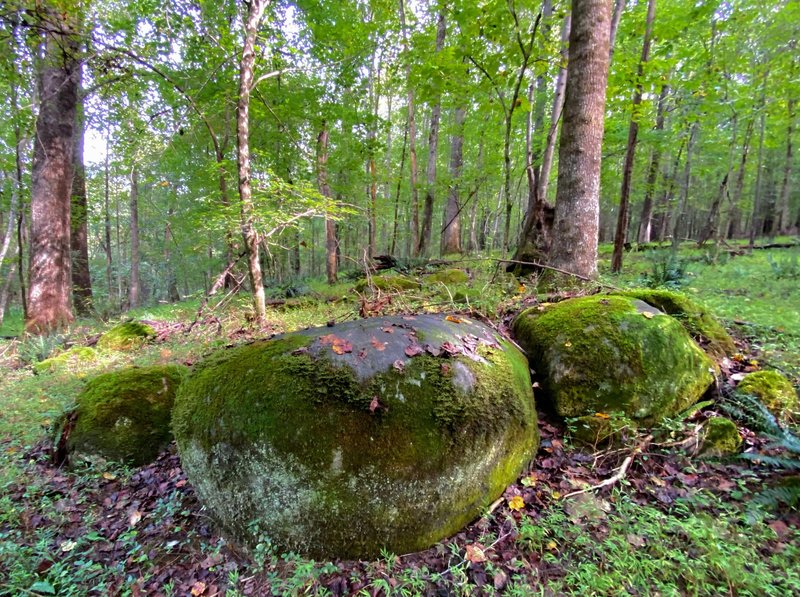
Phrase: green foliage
(787, 267)
(666, 270)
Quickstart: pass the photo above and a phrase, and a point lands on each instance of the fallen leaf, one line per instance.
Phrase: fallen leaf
(388, 329)
(521, 289)
(648, 314)
(413, 350)
(374, 404)
(516, 503)
(198, 588)
(68, 546)
(450, 348)
(453, 319)
(530, 480)
(445, 369)
(378, 345)
(500, 580)
(552, 546)
(341, 346)
(602, 416)
(134, 518)
(399, 365)
(475, 553)
(109, 476)
(636, 540)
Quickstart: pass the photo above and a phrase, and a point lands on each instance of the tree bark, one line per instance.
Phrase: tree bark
(331, 242)
(782, 222)
(79, 241)
(433, 145)
(134, 285)
(50, 287)
(630, 149)
(577, 197)
(451, 229)
(249, 233)
(757, 219)
(680, 210)
(619, 6)
(107, 228)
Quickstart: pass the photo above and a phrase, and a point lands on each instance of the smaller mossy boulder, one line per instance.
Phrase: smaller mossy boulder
(600, 429)
(122, 416)
(604, 354)
(390, 432)
(75, 355)
(698, 321)
(720, 438)
(126, 336)
(388, 283)
(448, 276)
(774, 391)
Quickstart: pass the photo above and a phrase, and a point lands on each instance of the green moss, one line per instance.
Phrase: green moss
(774, 391)
(126, 336)
(600, 429)
(721, 438)
(697, 320)
(612, 354)
(390, 283)
(76, 354)
(125, 415)
(449, 276)
(331, 464)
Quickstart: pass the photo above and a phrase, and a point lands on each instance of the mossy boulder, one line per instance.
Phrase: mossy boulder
(774, 391)
(448, 276)
(122, 416)
(389, 432)
(126, 336)
(606, 354)
(389, 283)
(600, 429)
(720, 438)
(698, 321)
(76, 354)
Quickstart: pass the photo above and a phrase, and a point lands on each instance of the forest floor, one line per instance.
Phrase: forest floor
(672, 525)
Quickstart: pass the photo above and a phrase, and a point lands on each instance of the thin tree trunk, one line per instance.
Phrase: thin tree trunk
(396, 219)
(451, 230)
(433, 144)
(412, 138)
(107, 229)
(371, 171)
(680, 211)
(133, 286)
(630, 150)
(331, 243)
(757, 219)
(173, 295)
(79, 241)
(576, 223)
(249, 233)
(712, 225)
(50, 275)
(555, 115)
(782, 219)
(619, 6)
(645, 222)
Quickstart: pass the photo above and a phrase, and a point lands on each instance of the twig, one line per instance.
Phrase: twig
(621, 471)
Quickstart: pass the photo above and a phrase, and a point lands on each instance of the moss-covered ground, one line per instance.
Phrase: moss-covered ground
(672, 525)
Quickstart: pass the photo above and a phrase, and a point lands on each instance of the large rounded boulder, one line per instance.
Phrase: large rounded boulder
(122, 416)
(613, 354)
(391, 432)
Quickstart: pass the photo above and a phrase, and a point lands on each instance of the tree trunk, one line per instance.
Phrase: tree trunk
(173, 295)
(451, 229)
(396, 219)
(783, 218)
(433, 144)
(371, 170)
(555, 115)
(51, 182)
(412, 138)
(107, 228)
(645, 222)
(630, 150)
(619, 6)
(249, 233)
(757, 219)
(133, 286)
(331, 243)
(81, 278)
(680, 210)
(577, 197)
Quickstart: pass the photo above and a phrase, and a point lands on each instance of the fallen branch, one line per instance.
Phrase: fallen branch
(621, 471)
(218, 283)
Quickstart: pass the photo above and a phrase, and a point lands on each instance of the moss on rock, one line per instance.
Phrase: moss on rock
(613, 354)
(337, 442)
(774, 391)
(76, 354)
(124, 415)
(126, 336)
(449, 276)
(390, 283)
(720, 438)
(697, 320)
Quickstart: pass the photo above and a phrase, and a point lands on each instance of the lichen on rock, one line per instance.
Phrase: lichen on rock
(697, 320)
(774, 391)
(126, 336)
(612, 354)
(337, 442)
(122, 416)
(720, 438)
(76, 354)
